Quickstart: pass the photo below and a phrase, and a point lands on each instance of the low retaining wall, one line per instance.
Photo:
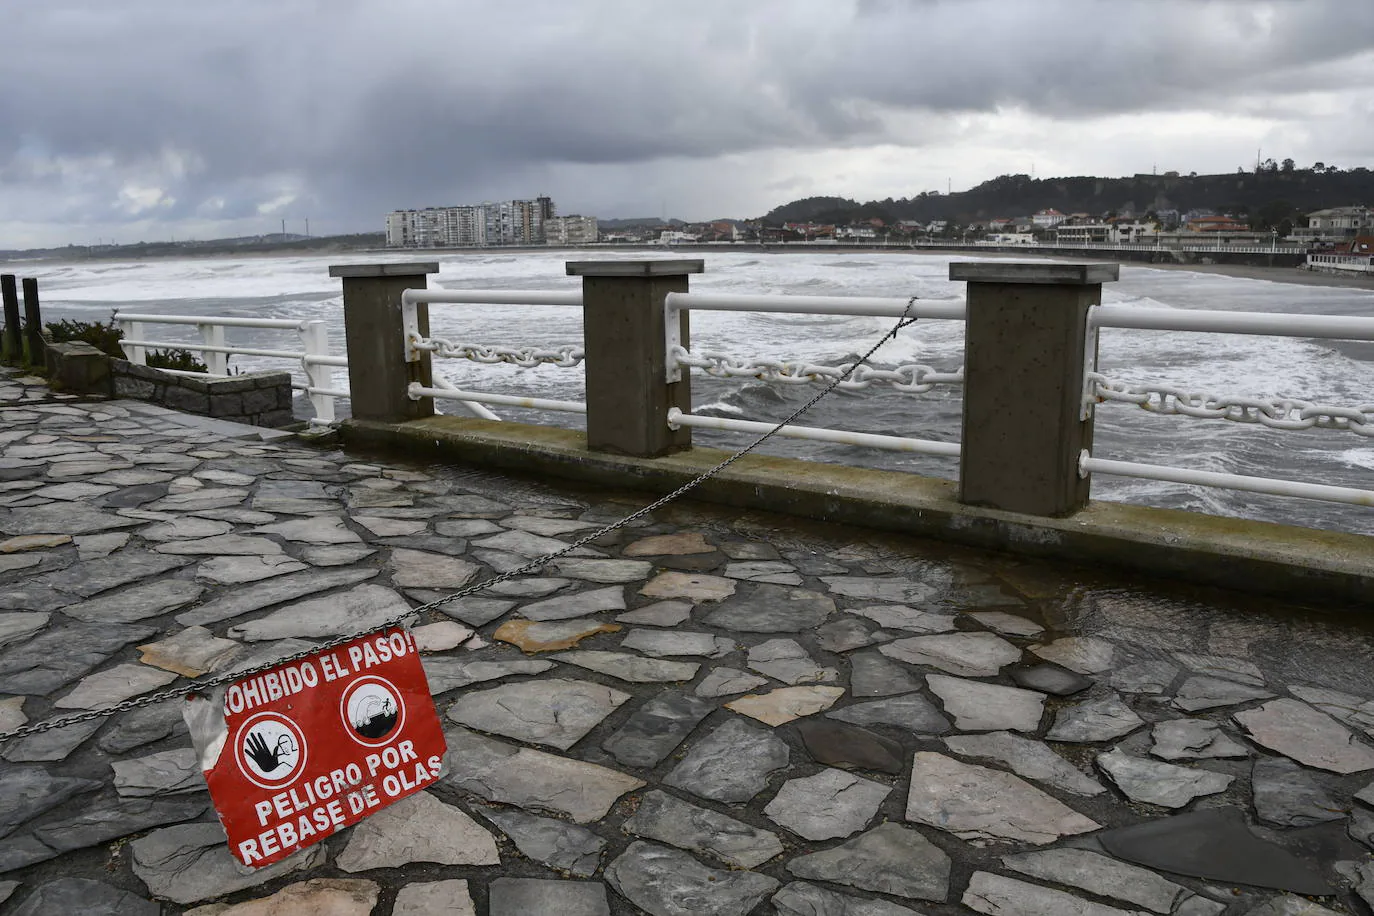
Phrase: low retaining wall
(1307, 565)
(256, 398)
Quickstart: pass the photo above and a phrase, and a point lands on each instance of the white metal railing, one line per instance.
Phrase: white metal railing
(314, 358)
(566, 357)
(913, 378)
(1274, 413)
(1354, 263)
(1148, 246)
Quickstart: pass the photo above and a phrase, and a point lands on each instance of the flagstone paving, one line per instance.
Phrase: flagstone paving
(709, 711)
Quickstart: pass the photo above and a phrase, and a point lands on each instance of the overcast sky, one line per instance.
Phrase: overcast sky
(150, 119)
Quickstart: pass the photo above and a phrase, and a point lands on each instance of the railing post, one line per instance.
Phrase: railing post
(33, 322)
(134, 331)
(1024, 348)
(378, 374)
(212, 335)
(14, 348)
(623, 328)
(315, 337)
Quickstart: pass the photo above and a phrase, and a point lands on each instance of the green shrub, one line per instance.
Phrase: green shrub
(104, 337)
(176, 358)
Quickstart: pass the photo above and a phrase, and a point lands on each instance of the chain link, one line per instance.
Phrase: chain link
(568, 356)
(1275, 413)
(911, 378)
(219, 680)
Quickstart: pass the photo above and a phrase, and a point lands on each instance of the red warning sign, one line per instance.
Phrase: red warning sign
(313, 746)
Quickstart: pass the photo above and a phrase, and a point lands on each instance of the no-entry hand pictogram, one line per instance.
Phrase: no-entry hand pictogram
(312, 746)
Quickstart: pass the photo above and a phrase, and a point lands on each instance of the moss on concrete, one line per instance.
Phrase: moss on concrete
(1305, 564)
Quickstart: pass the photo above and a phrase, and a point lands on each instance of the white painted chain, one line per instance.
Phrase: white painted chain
(1275, 413)
(567, 356)
(912, 378)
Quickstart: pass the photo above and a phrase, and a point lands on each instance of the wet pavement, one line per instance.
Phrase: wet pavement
(705, 712)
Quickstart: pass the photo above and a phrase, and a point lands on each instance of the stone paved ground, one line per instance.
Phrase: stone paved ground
(711, 712)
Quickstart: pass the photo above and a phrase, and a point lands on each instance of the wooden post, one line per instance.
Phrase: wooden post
(33, 322)
(14, 349)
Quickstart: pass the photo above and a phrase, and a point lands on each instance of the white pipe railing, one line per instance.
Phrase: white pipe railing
(1321, 327)
(1089, 465)
(878, 307)
(676, 418)
(1330, 327)
(315, 360)
(224, 321)
(417, 391)
(872, 306)
(472, 400)
(492, 296)
(1106, 316)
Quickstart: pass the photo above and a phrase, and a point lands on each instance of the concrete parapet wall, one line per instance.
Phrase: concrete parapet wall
(257, 398)
(1307, 565)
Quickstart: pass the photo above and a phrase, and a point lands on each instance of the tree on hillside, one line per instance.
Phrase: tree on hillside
(1288, 165)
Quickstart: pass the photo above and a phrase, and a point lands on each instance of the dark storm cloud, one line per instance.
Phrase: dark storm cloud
(169, 110)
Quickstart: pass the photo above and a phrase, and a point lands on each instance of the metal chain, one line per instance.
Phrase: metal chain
(1275, 413)
(912, 378)
(218, 680)
(567, 356)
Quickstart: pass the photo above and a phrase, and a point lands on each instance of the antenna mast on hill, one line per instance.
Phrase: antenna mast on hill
(283, 228)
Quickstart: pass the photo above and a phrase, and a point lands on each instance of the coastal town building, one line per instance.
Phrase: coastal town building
(1336, 224)
(1118, 231)
(510, 222)
(571, 230)
(1216, 224)
(1047, 219)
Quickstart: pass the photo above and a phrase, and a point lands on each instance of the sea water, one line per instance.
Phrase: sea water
(1255, 366)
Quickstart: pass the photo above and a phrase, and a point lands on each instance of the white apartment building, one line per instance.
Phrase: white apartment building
(571, 230)
(1117, 232)
(511, 222)
(1047, 219)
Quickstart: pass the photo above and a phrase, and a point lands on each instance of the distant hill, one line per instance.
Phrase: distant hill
(636, 222)
(1271, 194)
(260, 244)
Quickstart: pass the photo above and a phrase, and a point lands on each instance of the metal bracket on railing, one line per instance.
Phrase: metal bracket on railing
(319, 376)
(410, 322)
(1083, 457)
(1089, 387)
(672, 337)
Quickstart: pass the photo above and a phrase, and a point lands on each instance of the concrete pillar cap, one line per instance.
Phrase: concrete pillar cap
(1033, 272)
(409, 269)
(661, 267)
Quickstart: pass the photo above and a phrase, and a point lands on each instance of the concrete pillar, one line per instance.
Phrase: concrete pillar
(378, 373)
(1023, 364)
(628, 395)
(14, 349)
(33, 322)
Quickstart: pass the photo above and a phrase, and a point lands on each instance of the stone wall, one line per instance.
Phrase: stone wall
(258, 398)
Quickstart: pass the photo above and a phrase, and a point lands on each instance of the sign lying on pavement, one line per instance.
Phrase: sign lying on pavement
(294, 753)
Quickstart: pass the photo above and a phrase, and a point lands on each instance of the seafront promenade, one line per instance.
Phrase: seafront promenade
(707, 711)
